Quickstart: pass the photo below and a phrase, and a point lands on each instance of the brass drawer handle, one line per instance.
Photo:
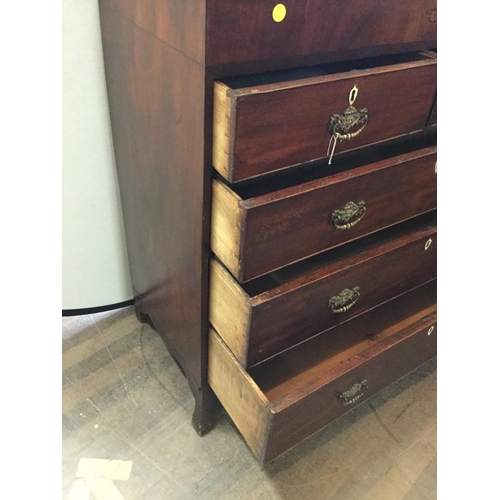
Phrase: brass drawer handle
(340, 125)
(340, 218)
(344, 300)
(353, 393)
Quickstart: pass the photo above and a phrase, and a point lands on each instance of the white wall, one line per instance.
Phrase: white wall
(95, 268)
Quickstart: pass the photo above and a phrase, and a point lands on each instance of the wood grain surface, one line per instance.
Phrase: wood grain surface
(239, 394)
(229, 309)
(258, 235)
(161, 58)
(296, 310)
(316, 26)
(290, 397)
(277, 125)
(181, 25)
(433, 116)
(292, 306)
(380, 365)
(228, 218)
(222, 135)
(157, 108)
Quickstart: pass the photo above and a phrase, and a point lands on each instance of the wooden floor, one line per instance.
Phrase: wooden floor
(125, 399)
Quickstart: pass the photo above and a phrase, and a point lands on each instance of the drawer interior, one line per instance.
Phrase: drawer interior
(306, 366)
(345, 161)
(263, 317)
(263, 226)
(253, 82)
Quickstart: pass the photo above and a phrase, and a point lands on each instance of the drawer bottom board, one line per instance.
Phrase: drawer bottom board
(283, 401)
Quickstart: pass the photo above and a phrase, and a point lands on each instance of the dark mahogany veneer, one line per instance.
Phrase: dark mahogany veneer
(161, 59)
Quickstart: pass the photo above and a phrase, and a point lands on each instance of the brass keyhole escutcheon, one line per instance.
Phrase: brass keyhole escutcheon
(428, 243)
(430, 330)
(353, 94)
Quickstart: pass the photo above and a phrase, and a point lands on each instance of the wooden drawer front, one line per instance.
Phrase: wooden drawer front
(313, 27)
(283, 401)
(269, 127)
(260, 326)
(255, 236)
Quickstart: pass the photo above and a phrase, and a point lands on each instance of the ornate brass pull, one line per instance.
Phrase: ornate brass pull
(340, 125)
(344, 300)
(353, 393)
(340, 218)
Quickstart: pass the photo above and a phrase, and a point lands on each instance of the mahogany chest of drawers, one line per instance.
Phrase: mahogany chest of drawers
(277, 169)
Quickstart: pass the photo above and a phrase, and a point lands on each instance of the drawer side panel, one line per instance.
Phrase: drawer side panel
(238, 393)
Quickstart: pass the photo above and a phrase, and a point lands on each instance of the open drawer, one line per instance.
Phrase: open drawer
(268, 122)
(266, 316)
(254, 232)
(286, 399)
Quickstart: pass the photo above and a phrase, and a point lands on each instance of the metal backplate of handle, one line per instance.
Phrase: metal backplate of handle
(344, 300)
(349, 216)
(340, 125)
(353, 393)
